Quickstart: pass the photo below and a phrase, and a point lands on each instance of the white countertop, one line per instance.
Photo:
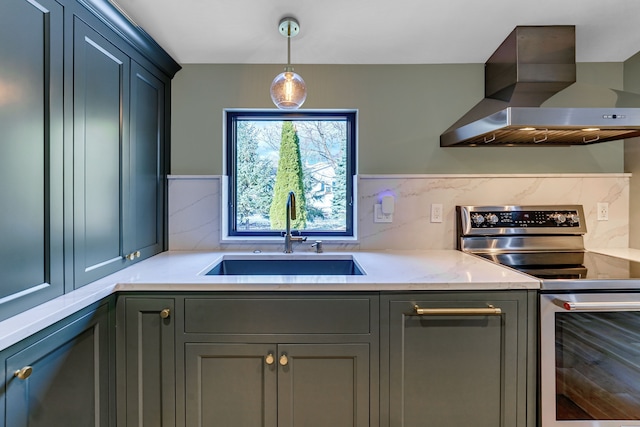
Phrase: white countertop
(626, 253)
(185, 271)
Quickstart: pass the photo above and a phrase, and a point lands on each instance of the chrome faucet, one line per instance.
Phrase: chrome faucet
(291, 214)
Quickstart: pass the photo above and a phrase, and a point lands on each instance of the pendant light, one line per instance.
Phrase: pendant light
(288, 90)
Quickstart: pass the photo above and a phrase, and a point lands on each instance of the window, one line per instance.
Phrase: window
(271, 153)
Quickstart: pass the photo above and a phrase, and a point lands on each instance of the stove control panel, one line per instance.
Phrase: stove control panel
(526, 219)
(521, 219)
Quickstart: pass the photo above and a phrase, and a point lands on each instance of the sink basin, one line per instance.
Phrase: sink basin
(285, 266)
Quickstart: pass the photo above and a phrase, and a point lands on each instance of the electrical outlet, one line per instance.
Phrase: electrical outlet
(379, 216)
(603, 211)
(436, 212)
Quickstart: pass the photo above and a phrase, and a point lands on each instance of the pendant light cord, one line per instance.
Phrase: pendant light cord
(289, 45)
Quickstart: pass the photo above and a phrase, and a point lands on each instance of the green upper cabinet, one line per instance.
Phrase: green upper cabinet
(84, 114)
(146, 222)
(31, 115)
(118, 157)
(100, 152)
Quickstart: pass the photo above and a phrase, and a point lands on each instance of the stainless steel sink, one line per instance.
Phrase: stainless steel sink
(263, 266)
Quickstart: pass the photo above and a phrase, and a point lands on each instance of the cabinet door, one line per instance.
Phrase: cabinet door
(323, 385)
(100, 148)
(231, 385)
(452, 370)
(31, 139)
(144, 230)
(69, 381)
(146, 352)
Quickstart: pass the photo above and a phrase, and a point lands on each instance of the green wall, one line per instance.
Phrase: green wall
(632, 155)
(403, 109)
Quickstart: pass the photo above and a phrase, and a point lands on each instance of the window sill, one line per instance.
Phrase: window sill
(280, 240)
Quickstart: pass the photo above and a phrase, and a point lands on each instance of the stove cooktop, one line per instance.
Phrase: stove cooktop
(573, 270)
(544, 241)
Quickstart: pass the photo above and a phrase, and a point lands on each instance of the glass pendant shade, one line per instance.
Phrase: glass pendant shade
(288, 90)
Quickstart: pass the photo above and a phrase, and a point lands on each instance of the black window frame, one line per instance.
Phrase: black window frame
(232, 116)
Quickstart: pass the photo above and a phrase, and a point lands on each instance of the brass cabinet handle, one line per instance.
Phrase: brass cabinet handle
(284, 360)
(23, 373)
(489, 311)
(585, 140)
(269, 359)
(133, 255)
(165, 313)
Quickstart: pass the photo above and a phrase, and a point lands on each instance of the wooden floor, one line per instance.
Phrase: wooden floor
(566, 409)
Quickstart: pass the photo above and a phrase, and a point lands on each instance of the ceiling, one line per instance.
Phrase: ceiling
(377, 31)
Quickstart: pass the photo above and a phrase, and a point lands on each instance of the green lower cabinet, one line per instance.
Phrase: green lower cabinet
(146, 362)
(277, 385)
(323, 385)
(451, 368)
(317, 360)
(61, 377)
(281, 359)
(230, 385)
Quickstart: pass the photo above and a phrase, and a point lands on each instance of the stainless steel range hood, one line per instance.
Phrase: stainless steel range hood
(533, 64)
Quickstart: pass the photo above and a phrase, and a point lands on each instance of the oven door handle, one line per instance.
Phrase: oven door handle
(598, 305)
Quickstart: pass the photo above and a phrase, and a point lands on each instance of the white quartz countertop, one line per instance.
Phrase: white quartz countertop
(177, 271)
(626, 253)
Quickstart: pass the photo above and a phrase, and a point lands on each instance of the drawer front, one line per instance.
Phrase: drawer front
(277, 315)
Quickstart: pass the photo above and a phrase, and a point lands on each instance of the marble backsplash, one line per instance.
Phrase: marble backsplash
(195, 208)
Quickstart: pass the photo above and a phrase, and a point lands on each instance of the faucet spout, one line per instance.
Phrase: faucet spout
(291, 209)
(291, 214)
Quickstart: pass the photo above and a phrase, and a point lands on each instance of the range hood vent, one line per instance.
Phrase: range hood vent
(533, 64)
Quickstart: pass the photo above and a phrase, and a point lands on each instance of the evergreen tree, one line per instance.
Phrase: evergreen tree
(288, 178)
(251, 186)
(339, 201)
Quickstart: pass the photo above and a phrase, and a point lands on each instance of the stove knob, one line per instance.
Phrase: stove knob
(573, 218)
(558, 218)
(477, 219)
(492, 218)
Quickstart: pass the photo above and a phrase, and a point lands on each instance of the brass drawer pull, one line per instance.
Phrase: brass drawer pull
(284, 360)
(269, 359)
(489, 311)
(594, 139)
(165, 313)
(23, 373)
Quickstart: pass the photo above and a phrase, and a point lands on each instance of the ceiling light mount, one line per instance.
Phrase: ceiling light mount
(288, 89)
(289, 27)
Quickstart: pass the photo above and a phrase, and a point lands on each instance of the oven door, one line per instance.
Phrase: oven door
(590, 360)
